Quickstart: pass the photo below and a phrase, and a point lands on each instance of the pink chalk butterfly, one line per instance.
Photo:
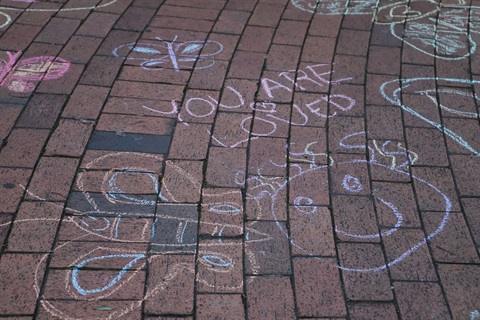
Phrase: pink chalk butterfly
(21, 75)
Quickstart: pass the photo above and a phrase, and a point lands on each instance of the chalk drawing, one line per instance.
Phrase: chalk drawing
(337, 7)
(392, 90)
(474, 315)
(160, 54)
(5, 19)
(351, 184)
(22, 75)
(267, 115)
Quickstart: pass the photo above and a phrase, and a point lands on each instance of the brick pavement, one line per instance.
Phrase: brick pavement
(239, 159)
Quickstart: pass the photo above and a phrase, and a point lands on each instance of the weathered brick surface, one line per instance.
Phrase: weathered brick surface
(239, 159)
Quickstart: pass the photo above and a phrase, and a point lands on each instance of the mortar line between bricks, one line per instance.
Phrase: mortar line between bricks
(80, 158)
(329, 174)
(415, 195)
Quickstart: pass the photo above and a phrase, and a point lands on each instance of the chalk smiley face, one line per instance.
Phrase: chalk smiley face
(359, 222)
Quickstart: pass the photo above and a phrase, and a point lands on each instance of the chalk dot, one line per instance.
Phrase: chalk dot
(352, 184)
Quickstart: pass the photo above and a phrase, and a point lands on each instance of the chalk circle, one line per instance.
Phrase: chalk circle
(400, 12)
(304, 204)
(199, 107)
(6, 17)
(352, 184)
(442, 198)
(216, 262)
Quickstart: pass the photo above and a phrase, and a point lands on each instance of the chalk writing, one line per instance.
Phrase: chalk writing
(268, 115)
(162, 53)
(474, 315)
(351, 184)
(22, 75)
(392, 91)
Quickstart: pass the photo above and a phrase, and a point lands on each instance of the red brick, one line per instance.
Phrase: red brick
(101, 71)
(318, 49)
(210, 78)
(290, 32)
(199, 106)
(325, 25)
(12, 188)
(70, 254)
(268, 157)
(269, 251)
(146, 90)
(246, 65)
(350, 67)
(42, 49)
(170, 285)
(320, 276)
(384, 123)
(282, 57)
(416, 266)
(292, 13)
(89, 309)
(217, 306)
(118, 7)
(258, 205)
(225, 166)
(231, 22)
(461, 283)
(311, 186)
(5, 222)
(417, 300)
(373, 95)
(80, 49)
(222, 212)
(355, 215)
(428, 198)
(190, 142)
(241, 5)
(266, 14)
(256, 39)
(35, 227)
(115, 39)
(182, 24)
(25, 272)
(465, 169)
(308, 144)
(97, 25)
(264, 126)
(165, 75)
(431, 143)
(58, 30)
(428, 110)
(270, 298)
(372, 311)
(36, 18)
(353, 42)
(18, 37)
(182, 181)
(52, 178)
(311, 231)
(457, 69)
(23, 147)
(341, 132)
(85, 102)
(473, 220)
(135, 19)
(358, 21)
(9, 115)
(228, 130)
(189, 13)
(42, 111)
(210, 4)
(135, 124)
(271, 91)
(231, 102)
(453, 243)
(63, 85)
(219, 266)
(360, 285)
(69, 138)
(413, 56)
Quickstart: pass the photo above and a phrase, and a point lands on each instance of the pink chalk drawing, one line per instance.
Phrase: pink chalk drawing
(22, 75)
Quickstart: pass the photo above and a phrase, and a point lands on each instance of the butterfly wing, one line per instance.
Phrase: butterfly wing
(27, 71)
